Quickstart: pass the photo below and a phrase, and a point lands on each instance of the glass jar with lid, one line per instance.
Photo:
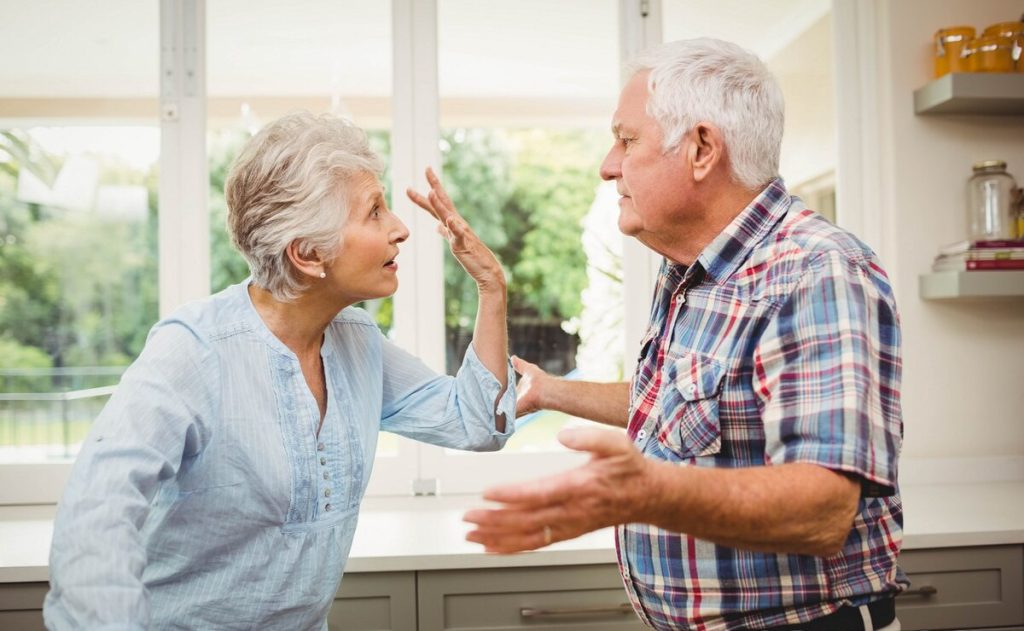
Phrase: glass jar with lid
(991, 211)
(949, 49)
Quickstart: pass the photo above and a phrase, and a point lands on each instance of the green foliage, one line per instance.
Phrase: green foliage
(81, 289)
(20, 356)
(525, 192)
(227, 266)
(78, 287)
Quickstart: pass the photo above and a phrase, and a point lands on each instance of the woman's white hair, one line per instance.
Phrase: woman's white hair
(290, 183)
(711, 80)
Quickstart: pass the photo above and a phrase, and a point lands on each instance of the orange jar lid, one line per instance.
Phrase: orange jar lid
(954, 33)
(1008, 29)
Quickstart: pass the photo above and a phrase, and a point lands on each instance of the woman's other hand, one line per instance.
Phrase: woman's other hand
(475, 257)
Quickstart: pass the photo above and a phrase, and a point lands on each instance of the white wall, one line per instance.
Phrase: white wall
(805, 72)
(963, 361)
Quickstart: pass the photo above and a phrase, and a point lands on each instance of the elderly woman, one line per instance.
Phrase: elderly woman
(220, 486)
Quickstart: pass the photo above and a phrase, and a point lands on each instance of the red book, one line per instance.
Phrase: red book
(955, 265)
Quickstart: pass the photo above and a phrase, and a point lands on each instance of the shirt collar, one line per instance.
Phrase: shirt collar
(732, 246)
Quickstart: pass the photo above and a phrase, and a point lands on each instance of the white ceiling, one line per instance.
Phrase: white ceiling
(488, 48)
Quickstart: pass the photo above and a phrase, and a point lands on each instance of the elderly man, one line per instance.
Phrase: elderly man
(756, 485)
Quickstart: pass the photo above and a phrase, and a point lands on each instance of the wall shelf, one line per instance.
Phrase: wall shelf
(973, 284)
(972, 93)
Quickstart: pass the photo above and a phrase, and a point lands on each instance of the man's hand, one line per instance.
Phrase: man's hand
(606, 491)
(530, 388)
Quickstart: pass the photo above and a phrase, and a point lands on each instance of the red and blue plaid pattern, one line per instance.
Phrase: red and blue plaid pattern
(780, 344)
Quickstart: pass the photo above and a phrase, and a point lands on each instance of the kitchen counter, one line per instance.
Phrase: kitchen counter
(427, 533)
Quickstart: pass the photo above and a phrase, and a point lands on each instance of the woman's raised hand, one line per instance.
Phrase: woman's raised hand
(475, 257)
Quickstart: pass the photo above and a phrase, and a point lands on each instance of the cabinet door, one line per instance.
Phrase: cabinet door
(21, 606)
(958, 588)
(375, 601)
(561, 598)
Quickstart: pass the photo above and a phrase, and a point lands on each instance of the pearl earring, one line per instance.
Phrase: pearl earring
(323, 274)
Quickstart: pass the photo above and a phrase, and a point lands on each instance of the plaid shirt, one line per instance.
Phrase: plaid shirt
(780, 344)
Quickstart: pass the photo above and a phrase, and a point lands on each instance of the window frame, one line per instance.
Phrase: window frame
(183, 233)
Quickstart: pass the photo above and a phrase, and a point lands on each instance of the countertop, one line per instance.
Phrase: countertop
(427, 533)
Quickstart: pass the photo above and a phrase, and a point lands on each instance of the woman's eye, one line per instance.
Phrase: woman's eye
(375, 212)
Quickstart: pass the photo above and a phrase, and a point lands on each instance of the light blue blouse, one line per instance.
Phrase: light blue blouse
(203, 497)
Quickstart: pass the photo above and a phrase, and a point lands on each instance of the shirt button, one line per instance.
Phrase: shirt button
(327, 492)
(327, 507)
(323, 460)
(327, 476)
(320, 447)
(642, 434)
(692, 389)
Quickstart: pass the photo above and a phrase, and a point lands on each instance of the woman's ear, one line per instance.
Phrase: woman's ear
(306, 259)
(707, 150)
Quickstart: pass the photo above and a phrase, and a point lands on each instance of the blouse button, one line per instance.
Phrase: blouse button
(327, 492)
(327, 507)
(320, 447)
(323, 460)
(327, 476)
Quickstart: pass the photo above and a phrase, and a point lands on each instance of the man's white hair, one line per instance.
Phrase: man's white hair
(715, 81)
(290, 183)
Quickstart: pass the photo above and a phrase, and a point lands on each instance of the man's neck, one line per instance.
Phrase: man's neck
(704, 222)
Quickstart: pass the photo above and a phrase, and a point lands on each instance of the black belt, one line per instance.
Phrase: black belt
(883, 612)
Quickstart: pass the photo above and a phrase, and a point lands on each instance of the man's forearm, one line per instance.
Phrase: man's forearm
(791, 508)
(606, 403)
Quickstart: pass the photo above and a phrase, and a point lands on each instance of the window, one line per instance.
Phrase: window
(514, 110)
(79, 150)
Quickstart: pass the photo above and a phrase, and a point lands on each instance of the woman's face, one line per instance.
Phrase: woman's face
(365, 267)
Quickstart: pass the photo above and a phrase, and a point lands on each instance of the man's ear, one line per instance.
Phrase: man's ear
(706, 150)
(305, 259)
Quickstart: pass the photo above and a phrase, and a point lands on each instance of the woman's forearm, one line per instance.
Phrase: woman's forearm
(490, 335)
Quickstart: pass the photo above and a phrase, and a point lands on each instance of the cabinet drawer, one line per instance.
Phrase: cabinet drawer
(21, 606)
(576, 598)
(956, 588)
(384, 601)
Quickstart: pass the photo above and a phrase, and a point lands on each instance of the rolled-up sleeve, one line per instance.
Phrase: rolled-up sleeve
(827, 373)
(150, 423)
(460, 412)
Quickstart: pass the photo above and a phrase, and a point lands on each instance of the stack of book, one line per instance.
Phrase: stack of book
(980, 255)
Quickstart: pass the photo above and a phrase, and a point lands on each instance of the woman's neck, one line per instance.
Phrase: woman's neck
(299, 324)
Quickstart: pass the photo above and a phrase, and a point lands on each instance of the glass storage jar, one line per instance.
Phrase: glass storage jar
(949, 49)
(991, 212)
(1014, 31)
(991, 53)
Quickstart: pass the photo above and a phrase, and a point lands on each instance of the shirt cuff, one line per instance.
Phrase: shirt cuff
(490, 386)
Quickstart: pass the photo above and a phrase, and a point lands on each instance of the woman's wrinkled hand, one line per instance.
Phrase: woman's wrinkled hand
(475, 257)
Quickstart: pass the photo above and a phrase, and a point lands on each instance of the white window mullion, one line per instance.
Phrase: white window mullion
(639, 28)
(415, 134)
(184, 224)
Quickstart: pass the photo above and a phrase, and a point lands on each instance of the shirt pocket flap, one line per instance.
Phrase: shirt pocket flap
(691, 425)
(696, 376)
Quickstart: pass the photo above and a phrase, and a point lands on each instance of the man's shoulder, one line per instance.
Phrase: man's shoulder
(806, 242)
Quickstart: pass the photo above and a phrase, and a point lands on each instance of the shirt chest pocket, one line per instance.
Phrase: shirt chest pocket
(690, 396)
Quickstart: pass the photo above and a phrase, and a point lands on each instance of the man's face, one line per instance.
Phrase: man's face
(654, 186)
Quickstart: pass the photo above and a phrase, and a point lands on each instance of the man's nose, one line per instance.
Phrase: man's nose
(611, 167)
